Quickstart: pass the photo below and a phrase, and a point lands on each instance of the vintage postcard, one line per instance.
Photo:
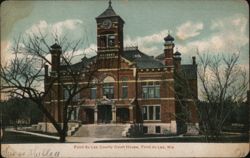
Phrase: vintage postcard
(124, 78)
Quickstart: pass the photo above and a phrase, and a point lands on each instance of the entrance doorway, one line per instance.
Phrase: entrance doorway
(104, 113)
(88, 116)
(122, 115)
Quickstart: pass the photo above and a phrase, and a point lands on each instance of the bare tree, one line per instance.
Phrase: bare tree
(223, 87)
(25, 75)
(223, 82)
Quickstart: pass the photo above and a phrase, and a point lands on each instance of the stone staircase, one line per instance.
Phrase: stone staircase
(103, 130)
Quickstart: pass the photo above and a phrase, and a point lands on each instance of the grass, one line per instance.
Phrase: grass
(13, 137)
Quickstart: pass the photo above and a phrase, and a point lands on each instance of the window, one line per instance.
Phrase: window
(108, 90)
(74, 112)
(145, 129)
(151, 112)
(124, 88)
(157, 129)
(93, 93)
(103, 41)
(93, 89)
(108, 87)
(111, 40)
(107, 40)
(151, 90)
(69, 92)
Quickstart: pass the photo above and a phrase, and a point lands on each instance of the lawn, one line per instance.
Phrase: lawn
(13, 137)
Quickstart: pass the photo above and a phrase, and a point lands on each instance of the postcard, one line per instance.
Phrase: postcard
(124, 78)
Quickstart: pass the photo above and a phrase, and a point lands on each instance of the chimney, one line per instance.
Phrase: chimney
(56, 52)
(194, 60)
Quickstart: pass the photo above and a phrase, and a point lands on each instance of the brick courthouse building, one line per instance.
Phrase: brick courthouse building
(130, 86)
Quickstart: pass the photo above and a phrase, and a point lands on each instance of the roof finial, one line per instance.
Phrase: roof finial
(110, 3)
(169, 32)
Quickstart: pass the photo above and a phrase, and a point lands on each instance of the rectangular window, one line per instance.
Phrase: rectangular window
(124, 90)
(157, 112)
(65, 94)
(145, 113)
(93, 93)
(69, 92)
(157, 91)
(144, 92)
(103, 41)
(151, 112)
(157, 129)
(111, 40)
(145, 129)
(151, 90)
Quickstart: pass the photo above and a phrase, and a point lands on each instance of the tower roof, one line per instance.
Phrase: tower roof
(169, 38)
(109, 12)
(55, 46)
(177, 53)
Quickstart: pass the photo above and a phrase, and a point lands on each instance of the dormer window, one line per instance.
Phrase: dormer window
(137, 55)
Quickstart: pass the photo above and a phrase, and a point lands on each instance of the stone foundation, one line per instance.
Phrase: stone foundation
(48, 127)
(164, 128)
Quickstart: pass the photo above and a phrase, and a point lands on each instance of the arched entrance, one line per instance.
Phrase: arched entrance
(104, 113)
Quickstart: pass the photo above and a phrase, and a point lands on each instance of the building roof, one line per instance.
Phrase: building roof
(142, 60)
(160, 57)
(80, 65)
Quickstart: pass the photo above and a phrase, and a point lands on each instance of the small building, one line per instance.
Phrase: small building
(128, 86)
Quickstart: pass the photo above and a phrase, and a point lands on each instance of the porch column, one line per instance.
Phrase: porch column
(113, 114)
(131, 114)
(95, 115)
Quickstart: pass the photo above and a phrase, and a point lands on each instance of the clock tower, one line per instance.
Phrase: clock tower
(109, 38)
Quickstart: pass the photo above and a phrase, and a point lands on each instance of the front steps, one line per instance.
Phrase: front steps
(103, 130)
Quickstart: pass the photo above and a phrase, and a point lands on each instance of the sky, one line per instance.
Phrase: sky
(211, 26)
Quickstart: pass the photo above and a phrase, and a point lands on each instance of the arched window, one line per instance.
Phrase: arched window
(108, 87)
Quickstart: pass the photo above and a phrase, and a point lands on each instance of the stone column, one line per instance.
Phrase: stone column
(131, 114)
(95, 115)
(113, 114)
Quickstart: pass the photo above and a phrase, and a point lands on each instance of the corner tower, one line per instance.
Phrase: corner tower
(169, 50)
(109, 38)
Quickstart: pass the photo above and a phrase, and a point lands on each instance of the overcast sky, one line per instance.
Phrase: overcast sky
(212, 26)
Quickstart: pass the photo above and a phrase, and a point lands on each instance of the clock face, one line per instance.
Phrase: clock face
(106, 24)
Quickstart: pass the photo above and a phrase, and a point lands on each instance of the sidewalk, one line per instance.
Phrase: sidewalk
(32, 133)
(72, 139)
